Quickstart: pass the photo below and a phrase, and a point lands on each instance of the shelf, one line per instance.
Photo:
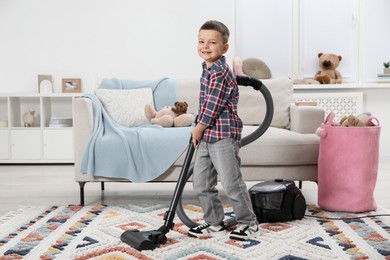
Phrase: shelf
(346, 86)
(19, 106)
(40, 95)
(57, 127)
(3, 113)
(55, 107)
(24, 128)
(40, 143)
(3, 108)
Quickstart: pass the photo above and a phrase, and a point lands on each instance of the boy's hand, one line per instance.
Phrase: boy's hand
(197, 134)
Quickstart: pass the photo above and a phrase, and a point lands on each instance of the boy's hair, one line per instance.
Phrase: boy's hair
(217, 26)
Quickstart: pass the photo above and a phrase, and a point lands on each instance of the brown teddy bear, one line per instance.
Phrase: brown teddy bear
(328, 63)
(180, 108)
(354, 121)
(169, 116)
(351, 121)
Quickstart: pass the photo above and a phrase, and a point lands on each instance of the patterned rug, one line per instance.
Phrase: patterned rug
(93, 232)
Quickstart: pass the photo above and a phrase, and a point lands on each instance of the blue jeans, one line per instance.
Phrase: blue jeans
(221, 159)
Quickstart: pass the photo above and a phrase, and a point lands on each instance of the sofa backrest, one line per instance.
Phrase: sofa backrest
(251, 107)
(188, 90)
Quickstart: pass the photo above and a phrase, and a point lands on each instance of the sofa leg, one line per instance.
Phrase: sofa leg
(102, 185)
(82, 184)
(300, 185)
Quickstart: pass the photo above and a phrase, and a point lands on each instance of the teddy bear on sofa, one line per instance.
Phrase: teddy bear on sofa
(329, 74)
(170, 116)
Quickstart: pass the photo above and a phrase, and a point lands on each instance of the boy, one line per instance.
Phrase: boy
(217, 138)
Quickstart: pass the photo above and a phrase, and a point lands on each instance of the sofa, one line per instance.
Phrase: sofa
(287, 150)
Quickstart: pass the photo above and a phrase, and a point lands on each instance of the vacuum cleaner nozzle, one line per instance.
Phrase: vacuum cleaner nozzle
(143, 240)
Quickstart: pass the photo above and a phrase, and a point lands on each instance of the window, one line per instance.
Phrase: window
(328, 27)
(289, 39)
(377, 38)
(263, 31)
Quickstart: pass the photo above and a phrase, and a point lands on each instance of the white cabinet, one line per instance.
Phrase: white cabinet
(57, 144)
(4, 144)
(48, 140)
(26, 144)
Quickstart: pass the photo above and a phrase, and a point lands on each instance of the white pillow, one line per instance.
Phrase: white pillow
(126, 106)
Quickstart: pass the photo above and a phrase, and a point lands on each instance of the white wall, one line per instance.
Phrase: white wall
(92, 39)
(148, 39)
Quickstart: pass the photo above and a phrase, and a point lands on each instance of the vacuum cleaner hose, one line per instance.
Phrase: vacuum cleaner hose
(269, 108)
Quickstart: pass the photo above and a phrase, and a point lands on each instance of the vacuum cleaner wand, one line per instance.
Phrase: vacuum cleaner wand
(149, 240)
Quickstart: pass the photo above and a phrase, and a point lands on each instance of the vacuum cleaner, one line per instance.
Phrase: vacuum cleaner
(149, 240)
(277, 201)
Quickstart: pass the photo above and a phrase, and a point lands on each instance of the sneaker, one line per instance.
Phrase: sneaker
(204, 229)
(244, 232)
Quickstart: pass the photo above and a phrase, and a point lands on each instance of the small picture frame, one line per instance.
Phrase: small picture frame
(71, 85)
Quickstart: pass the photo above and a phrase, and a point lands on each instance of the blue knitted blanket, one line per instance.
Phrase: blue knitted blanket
(139, 154)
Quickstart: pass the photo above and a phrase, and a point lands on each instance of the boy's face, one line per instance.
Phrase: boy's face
(211, 46)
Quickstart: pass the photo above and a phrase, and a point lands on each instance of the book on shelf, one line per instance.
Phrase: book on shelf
(383, 75)
(383, 78)
(60, 122)
(306, 103)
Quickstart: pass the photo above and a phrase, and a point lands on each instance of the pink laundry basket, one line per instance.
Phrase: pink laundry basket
(348, 166)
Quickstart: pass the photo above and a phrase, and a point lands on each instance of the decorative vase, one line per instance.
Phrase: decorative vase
(386, 70)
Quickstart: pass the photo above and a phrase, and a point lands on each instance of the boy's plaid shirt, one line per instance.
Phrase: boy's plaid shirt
(218, 103)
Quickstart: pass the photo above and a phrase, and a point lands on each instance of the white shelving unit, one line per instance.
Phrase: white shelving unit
(43, 142)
